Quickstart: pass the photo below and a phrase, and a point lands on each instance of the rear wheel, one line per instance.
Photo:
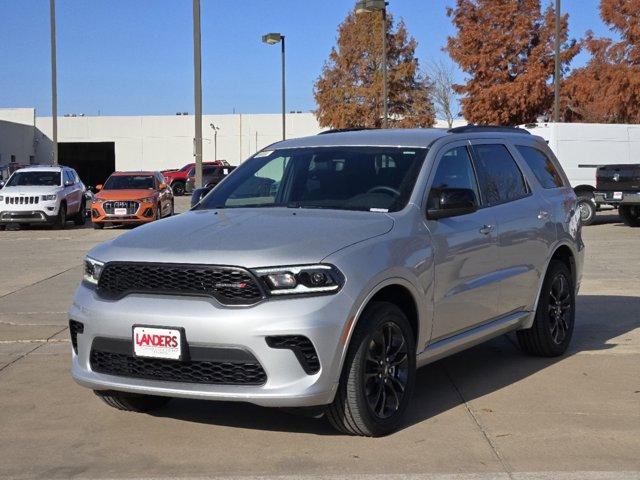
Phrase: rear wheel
(61, 219)
(630, 214)
(132, 402)
(178, 188)
(378, 375)
(551, 332)
(80, 217)
(587, 209)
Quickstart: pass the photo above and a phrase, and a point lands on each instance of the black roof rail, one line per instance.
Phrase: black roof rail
(487, 128)
(343, 130)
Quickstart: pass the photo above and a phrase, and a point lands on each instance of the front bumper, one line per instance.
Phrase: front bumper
(146, 212)
(206, 323)
(26, 216)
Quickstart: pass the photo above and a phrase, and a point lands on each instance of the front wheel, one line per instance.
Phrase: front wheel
(81, 216)
(131, 402)
(378, 374)
(178, 188)
(630, 214)
(61, 219)
(551, 332)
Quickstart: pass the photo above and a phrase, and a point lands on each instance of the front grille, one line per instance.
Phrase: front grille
(110, 207)
(23, 200)
(225, 367)
(229, 285)
(301, 347)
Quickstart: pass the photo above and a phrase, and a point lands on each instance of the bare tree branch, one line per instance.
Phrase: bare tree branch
(442, 77)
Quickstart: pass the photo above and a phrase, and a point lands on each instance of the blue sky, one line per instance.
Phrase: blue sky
(128, 57)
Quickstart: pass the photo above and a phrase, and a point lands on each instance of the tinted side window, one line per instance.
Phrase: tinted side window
(455, 170)
(542, 167)
(500, 178)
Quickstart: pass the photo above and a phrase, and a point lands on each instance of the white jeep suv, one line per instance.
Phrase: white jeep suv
(42, 194)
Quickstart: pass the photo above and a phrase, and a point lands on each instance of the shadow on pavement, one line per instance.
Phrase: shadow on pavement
(477, 372)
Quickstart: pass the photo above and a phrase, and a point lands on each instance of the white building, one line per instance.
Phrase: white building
(97, 145)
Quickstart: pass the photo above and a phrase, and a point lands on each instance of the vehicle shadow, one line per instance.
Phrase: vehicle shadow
(607, 217)
(444, 385)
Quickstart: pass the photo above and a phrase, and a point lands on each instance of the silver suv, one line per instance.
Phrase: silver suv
(42, 194)
(324, 270)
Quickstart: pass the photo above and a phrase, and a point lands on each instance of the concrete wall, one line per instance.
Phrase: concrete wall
(17, 135)
(152, 142)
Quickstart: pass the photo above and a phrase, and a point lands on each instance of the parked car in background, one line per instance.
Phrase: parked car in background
(619, 185)
(43, 194)
(177, 179)
(583, 147)
(132, 198)
(211, 176)
(326, 269)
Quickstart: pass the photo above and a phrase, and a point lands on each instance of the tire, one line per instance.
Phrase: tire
(368, 403)
(172, 212)
(587, 209)
(61, 219)
(98, 225)
(552, 328)
(630, 214)
(178, 188)
(132, 402)
(80, 217)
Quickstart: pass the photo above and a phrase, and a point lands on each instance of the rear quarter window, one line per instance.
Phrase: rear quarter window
(541, 166)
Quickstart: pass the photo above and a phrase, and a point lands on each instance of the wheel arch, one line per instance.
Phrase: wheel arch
(564, 253)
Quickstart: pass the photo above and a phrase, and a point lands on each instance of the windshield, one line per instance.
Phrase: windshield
(129, 182)
(343, 178)
(34, 179)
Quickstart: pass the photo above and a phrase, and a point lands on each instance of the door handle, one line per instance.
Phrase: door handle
(486, 229)
(543, 215)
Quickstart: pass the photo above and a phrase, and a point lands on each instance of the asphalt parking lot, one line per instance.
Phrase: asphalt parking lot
(490, 411)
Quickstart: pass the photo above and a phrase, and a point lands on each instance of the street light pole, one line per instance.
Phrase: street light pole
(272, 39)
(368, 6)
(556, 77)
(197, 90)
(215, 140)
(54, 82)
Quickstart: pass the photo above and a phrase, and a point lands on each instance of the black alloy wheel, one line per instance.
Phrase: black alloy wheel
(386, 370)
(559, 307)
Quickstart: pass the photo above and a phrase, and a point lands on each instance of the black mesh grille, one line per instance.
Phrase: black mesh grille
(229, 285)
(301, 347)
(131, 206)
(207, 372)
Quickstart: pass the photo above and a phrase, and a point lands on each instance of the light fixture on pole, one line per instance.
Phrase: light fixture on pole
(368, 6)
(215, 140)
(272, 39)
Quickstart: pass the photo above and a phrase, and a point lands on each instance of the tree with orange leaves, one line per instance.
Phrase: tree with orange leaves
(506, 47)
(607, 89)
(349, 92)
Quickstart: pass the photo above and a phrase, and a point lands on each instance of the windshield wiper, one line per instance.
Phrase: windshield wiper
(325, 207)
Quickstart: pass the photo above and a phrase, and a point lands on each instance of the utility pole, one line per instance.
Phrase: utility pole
(284, 107)
(556, 77)
(54, 82)
(197, 90)
(385, 68)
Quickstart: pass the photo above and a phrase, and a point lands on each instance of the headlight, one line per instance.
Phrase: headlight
(303, 279)
(46, 198)
(92, 270)
(98, 200)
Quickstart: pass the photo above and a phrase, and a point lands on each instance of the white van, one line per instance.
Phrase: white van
(581, 147)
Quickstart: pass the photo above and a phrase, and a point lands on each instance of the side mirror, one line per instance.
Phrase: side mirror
(198, 194)
(162, 186)
(98, 187)
(2, 183)
(69, 183)
(451, 202)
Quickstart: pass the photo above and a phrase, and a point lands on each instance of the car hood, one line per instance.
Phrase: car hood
(245, 237)
(133, 194)
(35, 190)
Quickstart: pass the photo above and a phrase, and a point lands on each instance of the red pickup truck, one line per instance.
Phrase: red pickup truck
(177, 178)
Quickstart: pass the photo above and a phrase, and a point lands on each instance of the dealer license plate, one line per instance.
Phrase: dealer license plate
(617, 195)
(120, 211)
(157, 342)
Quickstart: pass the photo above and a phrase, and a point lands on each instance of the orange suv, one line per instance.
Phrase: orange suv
(132, 198)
